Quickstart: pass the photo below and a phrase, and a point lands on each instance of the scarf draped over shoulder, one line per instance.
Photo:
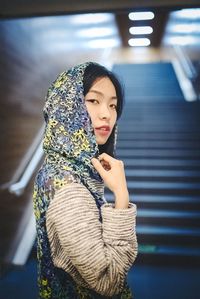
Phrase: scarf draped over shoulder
(69, 139)
(69, 145)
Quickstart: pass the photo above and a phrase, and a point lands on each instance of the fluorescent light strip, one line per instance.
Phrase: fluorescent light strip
(141, 30)
(91, 18)
(96, 32)
(139, 42)
(184, 28)
(103, 43)
(189, 13)
(141, 15)
(182, 40)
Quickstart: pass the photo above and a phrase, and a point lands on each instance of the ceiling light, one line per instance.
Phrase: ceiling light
(141, 15)
(184, 28)
(103, 43)
(188, 13)
(139, 42)
(96, 32)
(182, 40)
(91, 18)
(141, 30)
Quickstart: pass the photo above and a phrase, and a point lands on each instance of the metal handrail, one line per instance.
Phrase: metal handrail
(19, 187)
(26, 167)
(185, 62)
(184, 74)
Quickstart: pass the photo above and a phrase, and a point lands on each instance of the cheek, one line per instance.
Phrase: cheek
(114, 118)
(91, 112)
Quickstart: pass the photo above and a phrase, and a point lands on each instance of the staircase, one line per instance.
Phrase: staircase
(159, 142)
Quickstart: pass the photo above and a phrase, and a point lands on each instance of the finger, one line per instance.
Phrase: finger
(109, 159)
(106, 157)
(97, 165)
(105, 165)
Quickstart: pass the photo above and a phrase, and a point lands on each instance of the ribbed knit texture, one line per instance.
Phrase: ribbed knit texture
(97, 255)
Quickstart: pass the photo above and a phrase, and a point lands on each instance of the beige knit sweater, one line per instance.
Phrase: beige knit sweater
(97, 255)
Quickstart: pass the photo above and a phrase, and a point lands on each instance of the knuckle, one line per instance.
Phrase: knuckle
(121, 162)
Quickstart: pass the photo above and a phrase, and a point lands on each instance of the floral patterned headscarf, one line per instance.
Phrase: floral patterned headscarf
(69, 140)
(69, 130)
(69, 145)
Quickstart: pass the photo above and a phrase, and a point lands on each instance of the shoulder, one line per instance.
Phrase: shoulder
(71, 190)
(72, 197)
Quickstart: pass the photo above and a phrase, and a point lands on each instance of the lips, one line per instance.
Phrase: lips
(104, 128)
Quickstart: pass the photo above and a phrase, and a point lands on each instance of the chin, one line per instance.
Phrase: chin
(101, 142)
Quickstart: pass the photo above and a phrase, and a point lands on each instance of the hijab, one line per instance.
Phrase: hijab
(69, 139)
(69, 144)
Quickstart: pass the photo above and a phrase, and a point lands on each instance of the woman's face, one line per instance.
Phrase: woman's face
(101, 103)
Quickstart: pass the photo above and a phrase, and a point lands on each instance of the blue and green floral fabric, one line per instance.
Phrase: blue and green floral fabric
(69, 144)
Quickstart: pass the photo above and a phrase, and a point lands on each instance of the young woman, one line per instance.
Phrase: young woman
(85, 245)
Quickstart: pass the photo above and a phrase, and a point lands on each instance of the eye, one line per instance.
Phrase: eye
(113, 106)
(92, 101)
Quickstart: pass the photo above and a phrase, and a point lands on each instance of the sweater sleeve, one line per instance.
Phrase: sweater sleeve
(101, 253)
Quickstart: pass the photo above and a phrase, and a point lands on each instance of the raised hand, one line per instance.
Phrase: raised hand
(112, 172)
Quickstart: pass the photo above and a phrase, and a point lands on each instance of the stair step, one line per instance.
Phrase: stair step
(167, 163)
(187, 126)
(168, 217)
(164, 185)
(168, 235)
(169, 250)
(159, 153)
(168, 214)
(133, 138)
(171, 174)
(158, 144)
(157, 198)
(162, 201)
(164, 230)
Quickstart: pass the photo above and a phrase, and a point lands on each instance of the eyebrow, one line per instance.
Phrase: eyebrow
(100, 93)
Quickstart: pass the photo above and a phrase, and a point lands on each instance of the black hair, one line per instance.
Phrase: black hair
(92, 72)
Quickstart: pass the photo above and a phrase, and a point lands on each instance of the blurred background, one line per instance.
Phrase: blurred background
(154, 47)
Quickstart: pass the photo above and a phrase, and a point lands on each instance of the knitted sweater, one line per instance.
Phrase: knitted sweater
(96, 255)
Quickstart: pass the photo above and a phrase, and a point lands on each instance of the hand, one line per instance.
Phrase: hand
(112, 173)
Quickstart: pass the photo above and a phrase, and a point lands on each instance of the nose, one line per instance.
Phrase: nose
(104, 112)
